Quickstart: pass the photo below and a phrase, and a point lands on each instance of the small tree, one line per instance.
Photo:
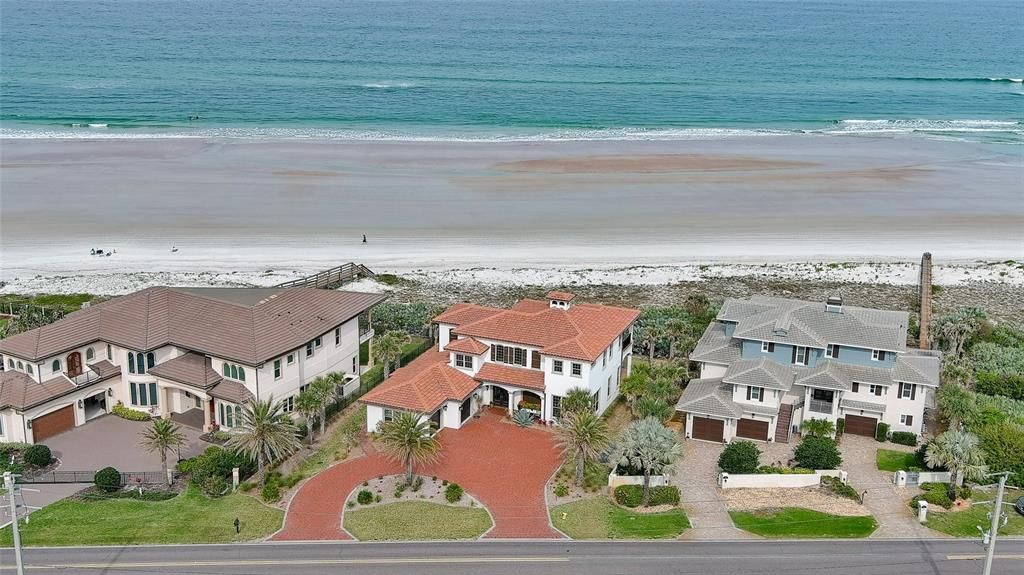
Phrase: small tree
(325, 389)
(739, 457)
(307, 404)
(387, 349)
(161, 437)
(956, 404)
(818, 453)
(634, 385)
(649, 446)
(680, 334)
(818, 427)
(584, 436)
(408, 439)
(958, 452)
(266, 433)
(577, 400)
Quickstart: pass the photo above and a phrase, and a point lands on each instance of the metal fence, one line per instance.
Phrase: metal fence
(127, 477)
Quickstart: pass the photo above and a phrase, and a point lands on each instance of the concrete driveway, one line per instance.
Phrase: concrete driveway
(104, 441)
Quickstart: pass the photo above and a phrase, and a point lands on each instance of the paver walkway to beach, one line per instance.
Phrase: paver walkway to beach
(504, 466)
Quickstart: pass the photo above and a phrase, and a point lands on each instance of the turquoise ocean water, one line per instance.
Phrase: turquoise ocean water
(534, 69)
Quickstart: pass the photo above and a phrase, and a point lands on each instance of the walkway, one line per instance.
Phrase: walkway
(504, 466)
(697, 478)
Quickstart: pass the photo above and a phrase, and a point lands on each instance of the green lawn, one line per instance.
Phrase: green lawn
(802, 523)
(889, 460)
(963, 523)
(416, 521)
(189, 518)
(599, 518)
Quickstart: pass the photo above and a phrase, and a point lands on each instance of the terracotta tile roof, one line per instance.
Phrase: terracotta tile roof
(561, 295)
(583, 331)
(20, 391)
(191, 369)
(248, 325)
(423, 385)
(530, 306)
(461, 313)
(231, 390)
(517, 376)
(467, 345)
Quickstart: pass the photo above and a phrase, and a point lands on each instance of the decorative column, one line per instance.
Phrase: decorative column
(207, 424)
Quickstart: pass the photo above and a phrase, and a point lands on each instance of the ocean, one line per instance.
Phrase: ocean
(511, 70)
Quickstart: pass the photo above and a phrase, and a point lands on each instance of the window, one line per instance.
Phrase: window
(577, 370)
(230, 415)
(233, 369)
(508, 354)
(463, 360)
(143, 394)
(877, 355)
(856, 387)
(309, 349)
(317, 343)
(21, 366)
(556, 407)
(451, 335)
(28, 367)
(131, 363)
(140, 366)
(800, 355)
(832, 351)
(906, 419)
(337, 336)
(241, 374)
(767, 347)
(110, 353)
(90, 354)
(389, 414)
(608, 393)
(150, 360)
(906, 391)
(556, 366)
(876, 389)
(1, 421)
(604, 360)
(755, 393)
(56, 365)
(355, 367)
(277, 369)
(288, 404)
(595, 400)
(10, 363)
(290, 359)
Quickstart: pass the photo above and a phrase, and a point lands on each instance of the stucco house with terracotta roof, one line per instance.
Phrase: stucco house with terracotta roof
(196, 353)
(527, 357)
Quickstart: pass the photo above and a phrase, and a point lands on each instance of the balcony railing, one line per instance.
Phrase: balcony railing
(365, 334)
(819, 406)
(86, 377)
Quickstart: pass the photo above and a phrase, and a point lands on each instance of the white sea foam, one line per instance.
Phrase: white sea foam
(386, 85)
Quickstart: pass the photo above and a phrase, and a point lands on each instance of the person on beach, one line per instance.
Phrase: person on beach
(364, 238)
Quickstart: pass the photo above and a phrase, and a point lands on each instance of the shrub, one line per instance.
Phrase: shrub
(840, 427)
(38, 455)
(377, 498)
(882, 432)
(934, 494)
(270, 492)
(904, 438)
(561, 490)
(523, 418)
(739, 457)
(633, 495)
(1008, 384)
(364, 497)
(129, 413)
(771, 469)
(1003, 444)
(835, 486)
(818, 453)
(108, 479)
(350, 504)
(214, 485)
(417, 483)
(216, 461)
(453, 493)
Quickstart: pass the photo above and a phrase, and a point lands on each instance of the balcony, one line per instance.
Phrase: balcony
(365, 334)
(85, 378)
(820, 406)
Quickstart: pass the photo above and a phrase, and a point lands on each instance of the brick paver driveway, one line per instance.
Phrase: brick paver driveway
(504, 466)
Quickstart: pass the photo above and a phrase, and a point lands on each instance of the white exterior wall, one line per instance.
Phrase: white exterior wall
(560, 385)
(712, 370)
(60, 403)
(896, 406)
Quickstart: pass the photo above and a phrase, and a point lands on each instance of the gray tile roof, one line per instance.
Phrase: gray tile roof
(831, 374)
(716, 347)
(917, 368)
(709, 397)
(757, 408)
(806, 323)
(760, 372)
(865, 405)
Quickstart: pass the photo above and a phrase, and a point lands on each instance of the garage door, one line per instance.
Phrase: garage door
(859, 425)
(53, 423)
(708, 429)
(752, 429)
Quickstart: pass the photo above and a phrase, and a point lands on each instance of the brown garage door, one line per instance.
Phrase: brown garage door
(708, 429)
(859, 425)
(53, 423)
(752, 429)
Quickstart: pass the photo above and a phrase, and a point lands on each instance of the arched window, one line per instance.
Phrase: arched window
(56, 365)
(110, 353)
(29, 367)
(131, 362)
(226, 370)
(234, 372)
(139, 362)
(21, 365)
(150, 360)
(10, 363)
(90, 354)
(241, 374)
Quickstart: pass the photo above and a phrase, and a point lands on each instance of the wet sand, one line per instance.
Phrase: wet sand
(251, 205)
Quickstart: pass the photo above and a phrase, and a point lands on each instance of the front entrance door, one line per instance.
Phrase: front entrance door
(499, 396)
(465, 409)
(74, 361)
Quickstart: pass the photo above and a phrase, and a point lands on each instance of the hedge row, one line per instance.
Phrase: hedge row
(633, 495)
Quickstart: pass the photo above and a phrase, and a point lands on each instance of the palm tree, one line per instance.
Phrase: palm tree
(163, 436)
(308, 405)
(266, 434)
(653, 333)
(584, 435)
(408, 439)
(650, 406)
(649, 446)
(677, 331)
(697, 304)
(577, 400)
(958, 452)
(634, 386)
(388, 349)
(325, 388)
(818, 427)
(956, 404)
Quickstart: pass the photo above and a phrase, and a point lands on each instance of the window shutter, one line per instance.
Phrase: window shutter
(913, 391)
(794, 355)
(761, 396)
(493, 347)
(535, 360)
(748, 393)
(856, 387)
(910, 420)
(878, 390)
(900, 394)
(881, 356)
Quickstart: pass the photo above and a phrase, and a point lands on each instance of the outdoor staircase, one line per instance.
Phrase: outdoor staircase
(783, 425)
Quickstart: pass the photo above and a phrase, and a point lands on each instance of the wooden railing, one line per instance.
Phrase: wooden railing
(332, 278)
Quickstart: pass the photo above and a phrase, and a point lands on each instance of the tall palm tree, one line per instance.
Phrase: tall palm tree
(161, 437)
(577, 400)
(584, 436)
(266, 433)
(308, 405)
(650, 406)
(653, 333)
(408, 439)
(649, 446)
(387, 349)
(678, 331)
(958, 452)
(325, 389)
(818, 427)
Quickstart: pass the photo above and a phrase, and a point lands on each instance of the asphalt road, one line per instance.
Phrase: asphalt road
(861, 557)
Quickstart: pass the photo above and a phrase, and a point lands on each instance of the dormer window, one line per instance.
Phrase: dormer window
(878, 355)
(832, 351)
(463, 360)
(767, 347)
(800, 355)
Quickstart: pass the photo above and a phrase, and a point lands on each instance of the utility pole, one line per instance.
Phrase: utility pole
(9, 485)
(997, 515)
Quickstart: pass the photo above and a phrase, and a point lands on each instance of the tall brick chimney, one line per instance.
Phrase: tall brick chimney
(926, 300)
